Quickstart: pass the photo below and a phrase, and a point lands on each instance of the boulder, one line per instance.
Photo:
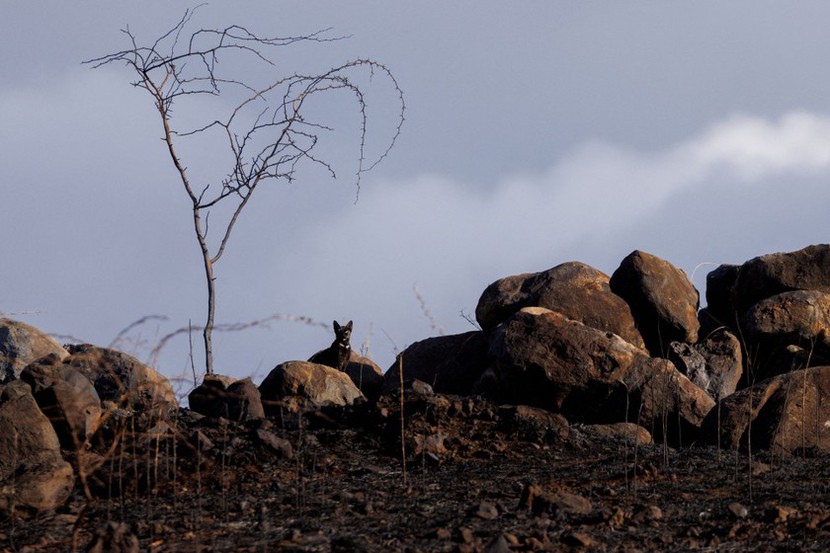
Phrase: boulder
(662, 299)
(222, 396)
(620, 432)
(123, 379)
(66, 397)
(574, 289)
(724, 362)
(450, 364)
(318, 385)
(783, 414)
(714, 365)
(33, 475)
(800, 318)
(543, 359)
(366, 375)
(719, 286)
(768, 275)
(21, 344)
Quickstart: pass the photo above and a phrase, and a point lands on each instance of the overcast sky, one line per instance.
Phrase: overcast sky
(536, 133)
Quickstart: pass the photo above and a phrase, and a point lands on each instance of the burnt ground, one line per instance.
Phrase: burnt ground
(477, 479)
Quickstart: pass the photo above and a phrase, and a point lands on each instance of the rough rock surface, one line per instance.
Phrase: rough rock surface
(21, 344)
(771, 274)
(719, 288)
(714, 365)
(574, 289)
(800, 318)
(544, 359)
(222, 396)
(450, 364)
(33, 476)
(318, 384)
(121, 378)
(366, 375)
(66, 397)
(662, 298)
(783, 414)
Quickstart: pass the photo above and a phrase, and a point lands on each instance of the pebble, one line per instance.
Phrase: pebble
(738, 510)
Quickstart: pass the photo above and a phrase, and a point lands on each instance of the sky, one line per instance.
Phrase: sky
(536, 133)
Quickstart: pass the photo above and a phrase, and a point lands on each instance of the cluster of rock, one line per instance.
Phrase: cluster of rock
(635, 347)
(628, 355)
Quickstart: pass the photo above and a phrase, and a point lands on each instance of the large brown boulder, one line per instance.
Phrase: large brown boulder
(544, 359)
(67, 398)
(768, 275)
(222, 396)
(773, 326)
(33, 476)
(21, 344)
(662, 298)
(783, 414)
(123, 379)
(450, 364)
(574, 289)
(318, 385)
(366, 375)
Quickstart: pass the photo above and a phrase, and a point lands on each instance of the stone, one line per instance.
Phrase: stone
(534, 424)
(221, 396)
(784, 413)
(622, 432)
(450, 364)
(721, 350)
(276, 445)
(366, 375)
(114, 537)
(771, 274)
(21, 344)
(123, 379)
(800, 318)
(662, 299)
(33, 475)
(539, 501)
(67, 398)
(574, 289)
(543, 359)
(319, 385)
(719, 302)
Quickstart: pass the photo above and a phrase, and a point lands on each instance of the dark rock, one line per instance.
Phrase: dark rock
(543, 359)
(768, 275)
(366, 375)
(21, 344)
(622, 432)
(534, 424)
(782, 414)
(280, 446)
(800, 318)
(537, 500)
(662, 298)
(123, 379)
(724, 362)
(114, 537)
(450, 364)
(67, 398)
(719, 302)
(33, 475)
(220, 396)
(574, 289)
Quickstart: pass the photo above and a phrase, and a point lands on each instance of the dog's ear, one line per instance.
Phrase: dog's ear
(349, 325)
(336, 326)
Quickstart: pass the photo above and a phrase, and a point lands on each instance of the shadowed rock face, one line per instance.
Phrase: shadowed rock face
(783, 414)
(768, 275)
(21, 344)
(662, 298)
(450, 364)
(222, 396)
(33, 476)
(544, 359)
(574, 289)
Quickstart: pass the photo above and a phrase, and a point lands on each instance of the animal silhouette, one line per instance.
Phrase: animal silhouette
(337, 355)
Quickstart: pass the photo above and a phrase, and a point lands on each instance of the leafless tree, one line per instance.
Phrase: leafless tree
(268, 130)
